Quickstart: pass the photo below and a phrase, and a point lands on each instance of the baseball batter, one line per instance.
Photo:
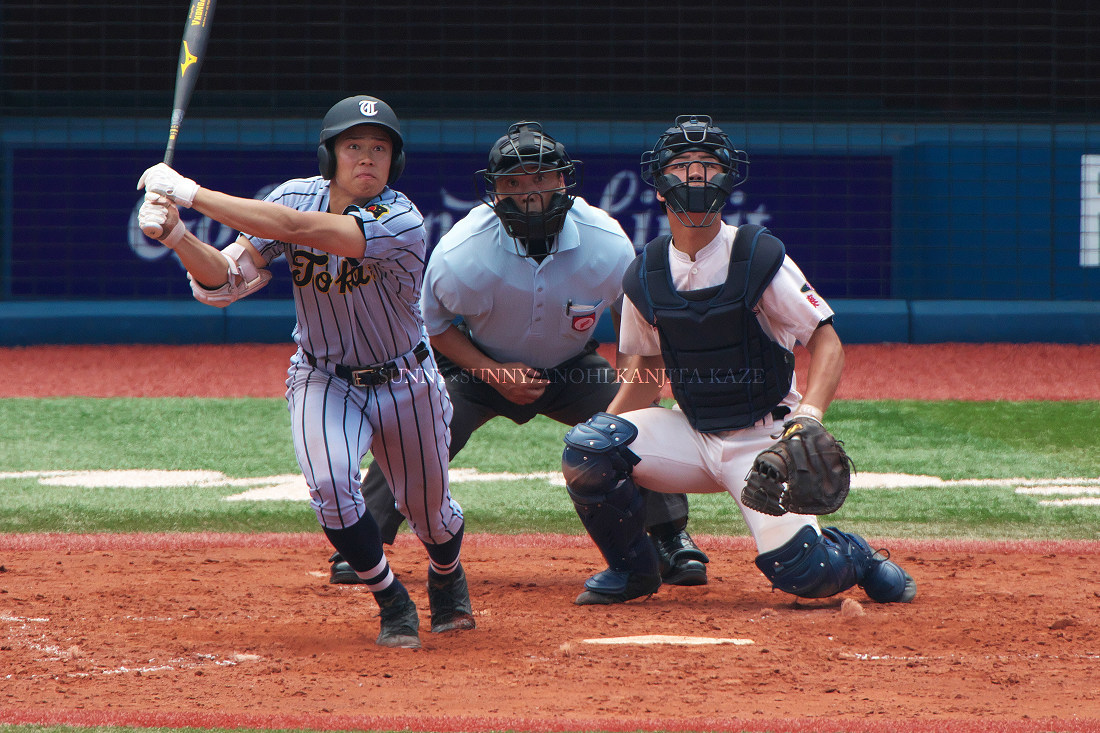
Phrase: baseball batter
(527, 275)
(363, 377)
(718, 309)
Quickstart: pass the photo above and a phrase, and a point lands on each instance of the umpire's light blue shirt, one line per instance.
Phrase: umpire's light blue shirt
(519, 310)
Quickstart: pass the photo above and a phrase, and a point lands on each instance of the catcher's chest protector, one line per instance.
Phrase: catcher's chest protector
(724, 370)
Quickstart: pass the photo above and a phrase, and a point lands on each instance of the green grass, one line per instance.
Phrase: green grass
(251, 437)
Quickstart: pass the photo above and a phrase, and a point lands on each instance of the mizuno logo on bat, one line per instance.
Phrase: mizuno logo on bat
(188, 59)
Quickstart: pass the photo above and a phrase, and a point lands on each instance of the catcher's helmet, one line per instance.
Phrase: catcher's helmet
(359, 110)
(525, 150)
(695, 133)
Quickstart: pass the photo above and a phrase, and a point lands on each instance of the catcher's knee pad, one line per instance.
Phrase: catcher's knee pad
(810, 565)
(596, 458)
(597, 465)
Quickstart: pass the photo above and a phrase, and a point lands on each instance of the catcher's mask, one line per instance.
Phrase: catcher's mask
(692, 133)
(359, 110)
(534, 215)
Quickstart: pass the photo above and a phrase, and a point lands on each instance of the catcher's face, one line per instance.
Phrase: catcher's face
(695, 167)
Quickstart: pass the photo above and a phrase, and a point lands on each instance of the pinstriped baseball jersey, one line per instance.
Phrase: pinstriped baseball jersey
(361, 312)
(351, 311)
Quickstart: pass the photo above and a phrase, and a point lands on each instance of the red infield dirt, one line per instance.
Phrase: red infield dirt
(245, 631)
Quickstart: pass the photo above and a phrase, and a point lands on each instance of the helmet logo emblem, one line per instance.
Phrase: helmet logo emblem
(368, 108)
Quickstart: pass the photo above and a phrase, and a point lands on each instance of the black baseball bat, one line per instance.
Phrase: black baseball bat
(192, 51)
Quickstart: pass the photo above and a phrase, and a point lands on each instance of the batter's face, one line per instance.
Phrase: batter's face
(363, 156)
(530, 191)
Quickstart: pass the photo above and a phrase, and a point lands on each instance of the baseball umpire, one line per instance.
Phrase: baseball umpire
(718, 308)
(529, 273)
(363, 377)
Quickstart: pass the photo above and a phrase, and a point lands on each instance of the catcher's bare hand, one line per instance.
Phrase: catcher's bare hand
(805, 472)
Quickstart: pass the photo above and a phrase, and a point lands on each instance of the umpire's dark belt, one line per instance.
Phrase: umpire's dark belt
(379, 374)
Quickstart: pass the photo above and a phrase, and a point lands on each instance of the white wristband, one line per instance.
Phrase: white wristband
(809, 411)
(173, 237)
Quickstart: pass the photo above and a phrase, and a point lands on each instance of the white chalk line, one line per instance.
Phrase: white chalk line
(22, 631)
(1084, 491)
(666, 639)
(859, 657)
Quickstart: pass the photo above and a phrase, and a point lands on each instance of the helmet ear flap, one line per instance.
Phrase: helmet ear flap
(397, 166)
(326, 161)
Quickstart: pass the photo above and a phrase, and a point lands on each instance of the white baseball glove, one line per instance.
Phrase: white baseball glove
(163, 180)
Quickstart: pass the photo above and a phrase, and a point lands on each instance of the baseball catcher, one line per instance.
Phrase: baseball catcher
(805, 472)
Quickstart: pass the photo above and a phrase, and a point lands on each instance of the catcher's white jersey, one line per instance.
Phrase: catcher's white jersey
(789, 310)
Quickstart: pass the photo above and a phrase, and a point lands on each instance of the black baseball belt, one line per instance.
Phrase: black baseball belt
(379, 374)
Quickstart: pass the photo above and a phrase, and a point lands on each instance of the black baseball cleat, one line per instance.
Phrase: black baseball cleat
(400, 623)
(614, 586)
(681, 561)
(341, 573)
(449, 598)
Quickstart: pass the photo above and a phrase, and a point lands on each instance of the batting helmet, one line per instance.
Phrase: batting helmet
(524, 150)
(359, 110)
(695, 133)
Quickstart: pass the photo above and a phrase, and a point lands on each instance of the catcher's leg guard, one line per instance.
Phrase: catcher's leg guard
(817, 566)
(597, 465)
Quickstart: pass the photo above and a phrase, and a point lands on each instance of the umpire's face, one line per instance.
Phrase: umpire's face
(530, 191)
(363, 156)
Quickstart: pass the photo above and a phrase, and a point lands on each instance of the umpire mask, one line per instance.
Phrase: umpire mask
(526, 183)
(691, 133)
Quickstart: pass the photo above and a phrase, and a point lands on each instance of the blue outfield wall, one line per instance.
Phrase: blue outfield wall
(271, 321)
(914, 233)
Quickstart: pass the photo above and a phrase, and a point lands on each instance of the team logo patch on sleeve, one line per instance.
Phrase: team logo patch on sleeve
(811, 296)
(377, 210)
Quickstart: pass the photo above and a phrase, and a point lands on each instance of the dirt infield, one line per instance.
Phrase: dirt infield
(236, 630)
(245, 631)
(883, 371)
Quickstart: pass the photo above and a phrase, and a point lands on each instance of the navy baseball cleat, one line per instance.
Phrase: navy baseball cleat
(341, 573)
(616, 586)
(449, 598)
(400, 623)
(681, 561)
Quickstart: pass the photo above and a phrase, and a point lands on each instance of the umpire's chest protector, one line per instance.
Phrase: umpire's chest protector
(724, 370)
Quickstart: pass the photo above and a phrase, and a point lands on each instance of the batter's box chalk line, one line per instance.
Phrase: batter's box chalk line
(655, 639)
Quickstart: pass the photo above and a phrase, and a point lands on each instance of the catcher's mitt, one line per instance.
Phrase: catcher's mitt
(805, 472)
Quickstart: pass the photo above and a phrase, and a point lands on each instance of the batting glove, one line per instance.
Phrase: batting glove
(163, 180)
(152, 216)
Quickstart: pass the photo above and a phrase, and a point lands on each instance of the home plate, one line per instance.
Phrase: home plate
(667, 639)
